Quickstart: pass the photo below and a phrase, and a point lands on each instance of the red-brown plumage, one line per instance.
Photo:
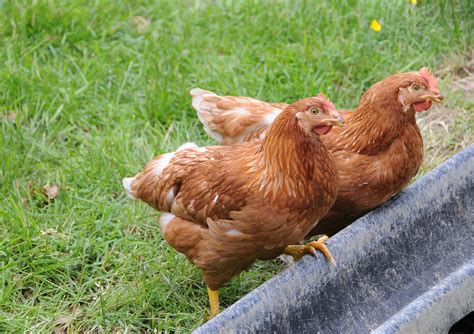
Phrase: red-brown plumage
(230, 205)
(377, 153)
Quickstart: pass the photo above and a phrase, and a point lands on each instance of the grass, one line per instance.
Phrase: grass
(90, 91)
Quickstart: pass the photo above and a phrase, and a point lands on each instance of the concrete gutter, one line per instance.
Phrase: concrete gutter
(406, 267)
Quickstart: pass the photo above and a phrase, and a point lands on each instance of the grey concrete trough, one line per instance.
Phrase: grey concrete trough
(406, 267)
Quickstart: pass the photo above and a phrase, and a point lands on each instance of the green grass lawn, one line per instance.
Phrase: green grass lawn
(90, 91)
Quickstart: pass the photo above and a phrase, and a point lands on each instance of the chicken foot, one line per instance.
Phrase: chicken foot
(297, 251)
(213, 302)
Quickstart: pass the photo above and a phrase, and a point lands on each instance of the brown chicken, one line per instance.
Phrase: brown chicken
(227, 206)
(377, 153)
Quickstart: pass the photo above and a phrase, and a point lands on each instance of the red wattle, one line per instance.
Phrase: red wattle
(422, 106)
(323, 129)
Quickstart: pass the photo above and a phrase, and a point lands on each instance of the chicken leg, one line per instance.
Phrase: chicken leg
(213, 302)
(297, 251)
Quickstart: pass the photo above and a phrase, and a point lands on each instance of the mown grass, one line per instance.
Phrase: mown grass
(89, 93)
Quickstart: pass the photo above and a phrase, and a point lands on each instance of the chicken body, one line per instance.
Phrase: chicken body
(226, 206)
(368, 179)
(377, 153)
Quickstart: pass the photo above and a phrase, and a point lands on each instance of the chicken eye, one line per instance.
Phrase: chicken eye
(416, 88)
(314, 111)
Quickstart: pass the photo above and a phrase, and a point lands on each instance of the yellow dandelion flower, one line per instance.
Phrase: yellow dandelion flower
(375, 25)
(413, 2)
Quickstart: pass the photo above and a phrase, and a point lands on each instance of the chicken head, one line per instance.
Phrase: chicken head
(319, 115)
(419, 91)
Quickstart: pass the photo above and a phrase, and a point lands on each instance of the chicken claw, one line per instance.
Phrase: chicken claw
(297, 251)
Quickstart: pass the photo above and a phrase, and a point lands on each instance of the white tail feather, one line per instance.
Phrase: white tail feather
(127, 184)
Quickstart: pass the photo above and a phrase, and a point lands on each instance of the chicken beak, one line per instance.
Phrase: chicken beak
(436, 97)
(340, 121)
(335, 119)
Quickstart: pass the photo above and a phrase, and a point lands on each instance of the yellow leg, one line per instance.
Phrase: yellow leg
(297, 251)
(213, 302)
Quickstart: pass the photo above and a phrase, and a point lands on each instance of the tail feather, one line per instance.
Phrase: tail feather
(127, 183)
(202, 103)
(233, 119)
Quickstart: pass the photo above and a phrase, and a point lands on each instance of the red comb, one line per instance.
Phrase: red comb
(429, 78)
(327, 103)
